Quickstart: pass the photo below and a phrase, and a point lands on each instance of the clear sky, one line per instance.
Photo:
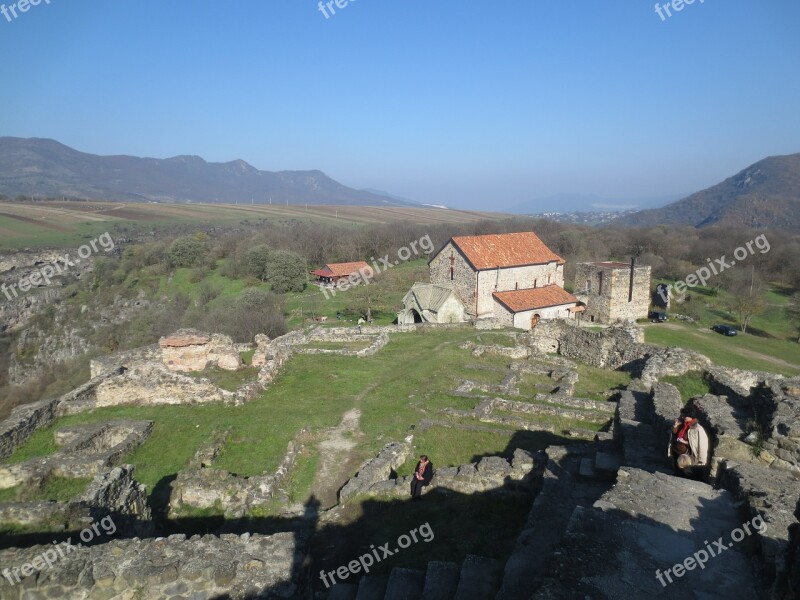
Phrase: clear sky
(473, 104)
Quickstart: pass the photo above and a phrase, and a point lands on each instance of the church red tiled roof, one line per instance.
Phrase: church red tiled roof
(521, 300)
(505, 250)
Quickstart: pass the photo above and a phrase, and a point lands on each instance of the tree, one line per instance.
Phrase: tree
(257, 261)
(186, 251)
(793, 314)
(287, 272)
(366, 298)
(254, 311)
(748, 296)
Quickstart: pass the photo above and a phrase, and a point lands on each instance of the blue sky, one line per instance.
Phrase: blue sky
(472, 104)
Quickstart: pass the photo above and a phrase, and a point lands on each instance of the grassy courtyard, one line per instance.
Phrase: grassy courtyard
(394, 390)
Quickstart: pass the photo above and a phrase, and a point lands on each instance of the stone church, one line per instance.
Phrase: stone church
(513, 278)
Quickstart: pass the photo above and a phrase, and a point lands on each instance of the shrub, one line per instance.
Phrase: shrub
(186, 251)
(287, 272)
(257, 261)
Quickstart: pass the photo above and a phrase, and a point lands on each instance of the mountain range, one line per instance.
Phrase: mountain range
(46, 168)
(765, 195)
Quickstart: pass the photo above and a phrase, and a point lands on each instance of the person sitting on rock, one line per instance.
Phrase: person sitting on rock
(689, 444)
(423, 473)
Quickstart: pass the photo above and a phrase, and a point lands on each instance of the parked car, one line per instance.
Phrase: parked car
(658, 317)
(724, 329)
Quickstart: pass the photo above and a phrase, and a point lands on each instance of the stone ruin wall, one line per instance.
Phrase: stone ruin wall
(491, 473)
(115, 493)
(24, 420)
(231, 566)
(207, 487)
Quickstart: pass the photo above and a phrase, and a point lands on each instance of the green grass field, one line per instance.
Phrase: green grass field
(742, 352)
(312, 391)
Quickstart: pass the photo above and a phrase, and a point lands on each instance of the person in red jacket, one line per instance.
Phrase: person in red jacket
(422, 476)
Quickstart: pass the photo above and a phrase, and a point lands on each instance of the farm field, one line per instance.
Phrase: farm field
(63, 224)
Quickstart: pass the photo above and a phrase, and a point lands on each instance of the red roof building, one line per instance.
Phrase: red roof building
(505, 250)
(535, 299)
(504, 276)
(333, 272)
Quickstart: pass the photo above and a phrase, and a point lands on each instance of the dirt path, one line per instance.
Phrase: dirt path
(337, 462)
(336, 458)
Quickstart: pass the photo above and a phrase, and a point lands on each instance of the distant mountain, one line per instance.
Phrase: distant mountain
(764, 195)
(586, 203)
(46, 168)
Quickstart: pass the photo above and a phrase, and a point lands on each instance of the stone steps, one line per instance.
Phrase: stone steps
(477, 578)
(640, 441)
(480, 578)
(441, 580)
(405, 584)
(343, 591)
(563, 489)
(372, 588)
(641, 528)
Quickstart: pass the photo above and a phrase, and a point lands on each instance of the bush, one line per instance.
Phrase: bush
(187, 251)
(254, 311)
(257, 261)
(287, 272)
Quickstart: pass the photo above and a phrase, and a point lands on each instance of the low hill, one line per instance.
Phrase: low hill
(46, 168)
(764, 195)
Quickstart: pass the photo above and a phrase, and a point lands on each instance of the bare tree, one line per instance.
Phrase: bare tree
(748, 299)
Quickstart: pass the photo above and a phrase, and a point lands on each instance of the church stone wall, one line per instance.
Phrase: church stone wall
(464, 279)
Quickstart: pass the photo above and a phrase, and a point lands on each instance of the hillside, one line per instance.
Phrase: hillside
(764, 195)
(46, 168)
